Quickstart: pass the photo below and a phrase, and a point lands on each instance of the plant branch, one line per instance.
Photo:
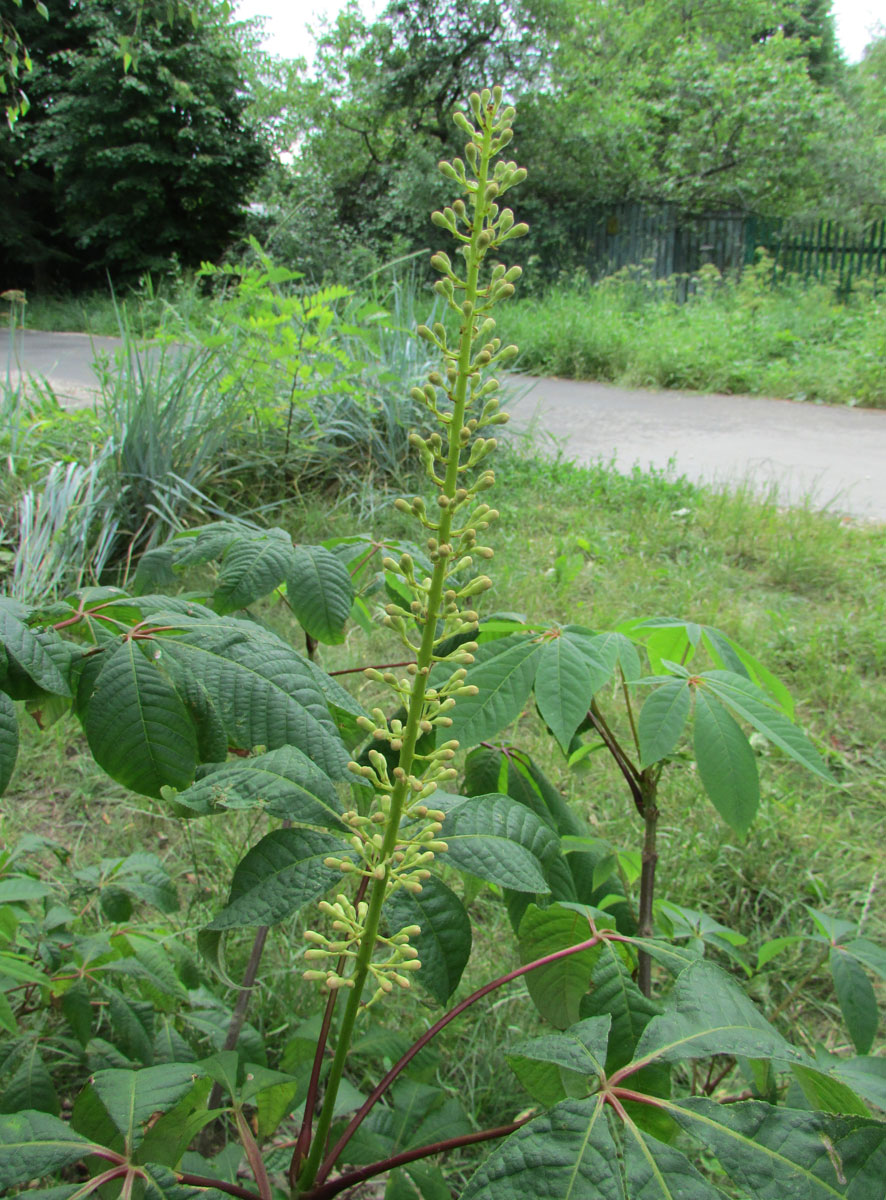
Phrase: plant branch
(238, 1017)
(630, 710)
(374, 666)
(204, 1181)
(627, 768)
(382, 1086)
(647, 877)
(326, 1190)
(711, 1085)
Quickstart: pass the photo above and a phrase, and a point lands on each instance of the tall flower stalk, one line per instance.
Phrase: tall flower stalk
(395, 836)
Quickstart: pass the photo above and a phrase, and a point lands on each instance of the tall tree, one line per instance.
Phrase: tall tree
(119, 170)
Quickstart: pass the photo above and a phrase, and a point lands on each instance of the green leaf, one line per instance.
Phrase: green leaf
(866, 1076)
(18, 889)
(856, 997)
(868, 953)
(661, 721)
(131, 1098)
(500, 841)
(253, 565)
(278, 876)
(8, 740)
(17, 967)
(729, 654)
(614, 992)
(503, 671)
(787, 1154)
(133, 1025)
(31, 1086)
(162, 1184)
(744, 698)
(34, 1144)
(710, 1014)
(563, 687)
(567, 1154)
(137, 727)
(769, 950)
(827, 1094)
(558, 987)
(727, 765)
(283, 783)
(28, 651)
(7, 1016)
(319, 589)
(444, 944)
(580, 1049)
(658, 1170)
(264, 693)
(168, 1137)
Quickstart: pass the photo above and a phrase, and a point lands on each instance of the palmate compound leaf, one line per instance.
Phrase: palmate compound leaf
(503, 671)
(444, 944)
(499, 841)
(727, 765)
(320, 592)
(137, 727)
(771, 1153)
(283, 783)
(34, 1144)
(661, 720)
(8, 740)
(279, 875)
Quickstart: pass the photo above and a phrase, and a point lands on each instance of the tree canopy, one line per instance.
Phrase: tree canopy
(117, 166)
(151, 124)
(709, 104)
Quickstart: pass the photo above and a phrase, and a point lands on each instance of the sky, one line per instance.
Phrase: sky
(286, 36)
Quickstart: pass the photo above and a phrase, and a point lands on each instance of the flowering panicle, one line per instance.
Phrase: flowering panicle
(393, 844)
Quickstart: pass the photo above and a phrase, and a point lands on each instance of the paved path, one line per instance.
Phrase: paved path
(834, 456)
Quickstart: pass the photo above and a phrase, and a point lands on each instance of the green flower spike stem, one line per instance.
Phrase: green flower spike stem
(395, 842)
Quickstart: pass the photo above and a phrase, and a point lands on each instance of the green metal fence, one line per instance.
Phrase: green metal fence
(670, 242)
(824, 250)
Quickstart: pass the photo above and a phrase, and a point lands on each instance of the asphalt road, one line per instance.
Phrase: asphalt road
(827, 455)
(831, 457)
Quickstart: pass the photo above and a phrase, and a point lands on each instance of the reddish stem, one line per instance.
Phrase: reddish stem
(640, 1097)
(373, 667)
(326, 1190)
(205, 1181)
(398, 1067)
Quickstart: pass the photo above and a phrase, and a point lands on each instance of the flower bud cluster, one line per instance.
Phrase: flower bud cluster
(392, 845)
(347, 922)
